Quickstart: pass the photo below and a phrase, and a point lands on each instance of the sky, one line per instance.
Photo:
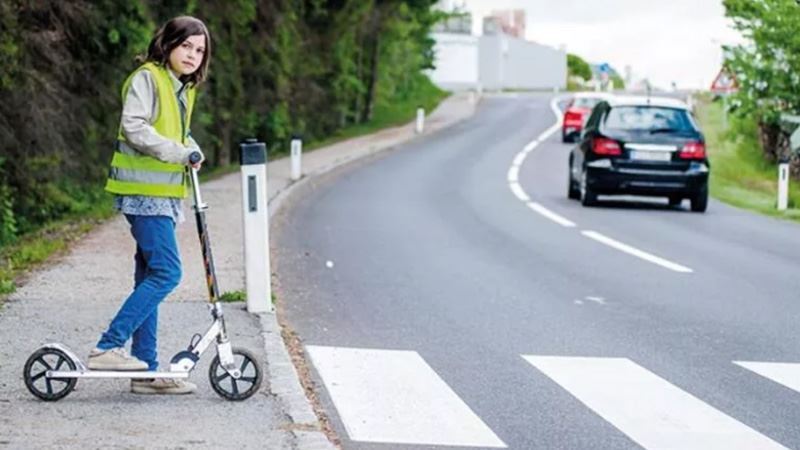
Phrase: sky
(665, 41)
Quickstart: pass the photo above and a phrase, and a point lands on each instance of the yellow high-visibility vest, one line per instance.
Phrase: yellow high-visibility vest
(134, 173)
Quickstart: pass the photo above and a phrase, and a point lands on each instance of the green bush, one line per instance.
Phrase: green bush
(8, 222)
(766, 67)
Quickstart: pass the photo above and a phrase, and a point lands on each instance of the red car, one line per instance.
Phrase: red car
(577, 112)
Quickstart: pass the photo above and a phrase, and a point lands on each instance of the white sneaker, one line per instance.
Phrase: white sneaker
(114, 359)
(162, 386)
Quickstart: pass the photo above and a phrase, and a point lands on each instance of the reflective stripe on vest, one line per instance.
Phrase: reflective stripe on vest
(134, 173)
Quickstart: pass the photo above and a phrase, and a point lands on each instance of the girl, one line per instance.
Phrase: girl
(148, 176)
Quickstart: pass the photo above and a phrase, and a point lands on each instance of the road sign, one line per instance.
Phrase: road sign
(724, 83)
(605, 68)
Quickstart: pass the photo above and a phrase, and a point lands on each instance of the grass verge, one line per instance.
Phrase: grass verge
(233, 296)
(740, 175)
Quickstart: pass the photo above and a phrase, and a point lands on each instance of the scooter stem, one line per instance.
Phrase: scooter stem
(205, 243)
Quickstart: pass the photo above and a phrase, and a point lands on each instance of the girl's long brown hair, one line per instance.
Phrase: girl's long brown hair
(171, 35)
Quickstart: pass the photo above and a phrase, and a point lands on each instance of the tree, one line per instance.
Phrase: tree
(767, 67)
(399, 28)
(576, 66)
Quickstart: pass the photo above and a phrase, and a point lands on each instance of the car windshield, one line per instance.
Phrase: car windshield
(585, 102)
(649, 118)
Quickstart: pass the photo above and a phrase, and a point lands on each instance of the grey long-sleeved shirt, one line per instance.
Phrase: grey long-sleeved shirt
(138, 112)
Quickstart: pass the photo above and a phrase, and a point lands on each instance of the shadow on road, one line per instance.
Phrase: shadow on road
(641, 203)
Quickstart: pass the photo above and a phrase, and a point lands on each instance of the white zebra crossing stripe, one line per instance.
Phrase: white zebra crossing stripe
(647, 408)
(394, 396)
(787, 374)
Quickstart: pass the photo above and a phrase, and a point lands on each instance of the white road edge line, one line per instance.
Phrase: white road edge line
(518, 191)
(636, 252)
(551, 215)
(519, 159)
(513, 174)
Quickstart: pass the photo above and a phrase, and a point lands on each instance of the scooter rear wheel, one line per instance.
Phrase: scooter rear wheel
(48, 389)
(236, 389)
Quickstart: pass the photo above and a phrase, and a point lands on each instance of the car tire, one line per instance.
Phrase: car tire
(588, 196)
(564, 138)
(573, 190)
(700, 200)
(675, 200)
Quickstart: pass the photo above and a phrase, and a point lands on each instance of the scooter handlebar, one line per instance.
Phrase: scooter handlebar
(195, 157)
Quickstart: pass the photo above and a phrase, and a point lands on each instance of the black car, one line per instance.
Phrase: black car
(640, 146)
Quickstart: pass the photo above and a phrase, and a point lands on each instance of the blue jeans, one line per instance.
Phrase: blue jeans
(158, 272)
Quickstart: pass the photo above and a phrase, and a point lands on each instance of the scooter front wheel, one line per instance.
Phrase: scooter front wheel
(35, 374)
(232, 388)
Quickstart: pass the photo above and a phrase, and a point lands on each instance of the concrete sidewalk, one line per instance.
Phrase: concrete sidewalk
(72, 300)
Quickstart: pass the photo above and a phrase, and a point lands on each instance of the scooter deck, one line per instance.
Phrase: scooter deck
(114, 374)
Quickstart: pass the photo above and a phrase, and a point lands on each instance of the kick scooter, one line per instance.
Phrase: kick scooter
(52, 371)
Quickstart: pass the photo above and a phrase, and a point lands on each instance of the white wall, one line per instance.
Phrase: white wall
(510, 63)
(492, 55)
(456, 61)
(496, 62)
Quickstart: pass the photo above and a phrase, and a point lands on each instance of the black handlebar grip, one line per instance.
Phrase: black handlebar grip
(195, 157)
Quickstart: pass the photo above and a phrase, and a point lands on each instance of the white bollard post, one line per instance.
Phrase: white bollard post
(253, 159)
(297, 158)
(420, 120)
(783, 186)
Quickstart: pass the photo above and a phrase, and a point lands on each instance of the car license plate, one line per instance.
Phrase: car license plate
(650, 156)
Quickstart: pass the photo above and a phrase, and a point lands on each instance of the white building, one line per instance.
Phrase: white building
(457, 61)
(494, 61)
(506, 62)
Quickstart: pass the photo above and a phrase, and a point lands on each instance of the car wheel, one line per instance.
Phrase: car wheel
(675, 200)
(564, 138)
(573, 190)
(700, 200)
(588, 197)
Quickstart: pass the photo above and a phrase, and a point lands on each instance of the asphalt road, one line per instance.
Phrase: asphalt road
(439, 306)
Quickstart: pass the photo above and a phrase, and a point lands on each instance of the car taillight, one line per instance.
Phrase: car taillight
(693, 150)
(605, 146)
(573, 117)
